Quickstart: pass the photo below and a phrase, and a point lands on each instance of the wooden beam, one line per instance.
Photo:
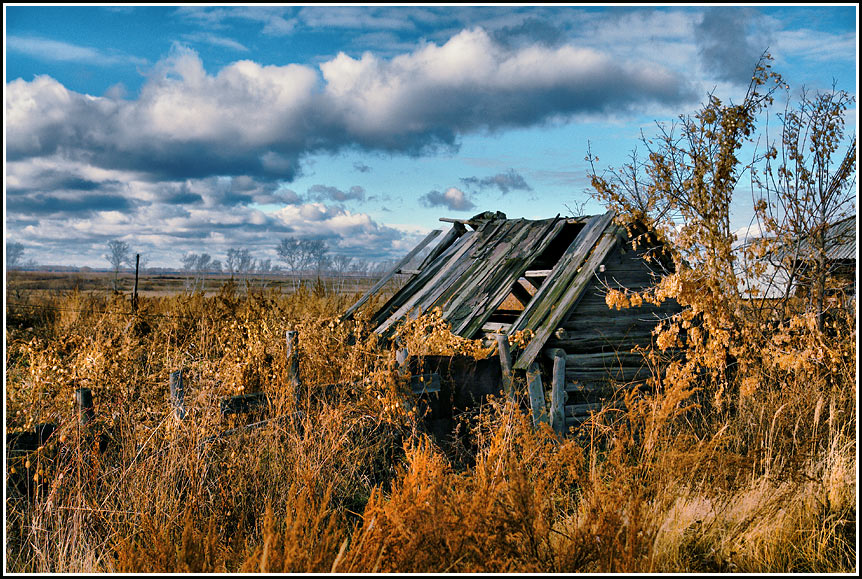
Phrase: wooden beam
(521, 293)
(430, 237)
(451, 237)
(535, 245)
(430, 268)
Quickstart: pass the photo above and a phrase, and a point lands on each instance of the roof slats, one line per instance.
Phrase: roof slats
(557, 310)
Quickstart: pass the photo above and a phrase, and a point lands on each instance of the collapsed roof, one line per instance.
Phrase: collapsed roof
(472, 275)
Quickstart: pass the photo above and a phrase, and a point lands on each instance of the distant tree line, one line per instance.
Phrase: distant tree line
(297, 257)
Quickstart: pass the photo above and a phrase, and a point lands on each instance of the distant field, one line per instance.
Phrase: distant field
(18, 282)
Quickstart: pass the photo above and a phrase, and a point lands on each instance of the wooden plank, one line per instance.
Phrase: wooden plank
(560, 309)
(558, 393)
(617, 322)
(580, 387)
(415, 284)
(460, 274)
(623, 374)
(537, 396)
(537, 273)
(496, 328)
(566, 267)
(463, 305)
(575, 341)
(433, 285)
(501, 285)
(175, 387)
(605, 360)
(352, 309)
(486, 259)
(451, 237)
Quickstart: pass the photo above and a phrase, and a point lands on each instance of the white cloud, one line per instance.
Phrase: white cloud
(453, 199)
(58, 51)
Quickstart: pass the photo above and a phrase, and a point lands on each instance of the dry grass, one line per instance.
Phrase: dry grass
(346, 479)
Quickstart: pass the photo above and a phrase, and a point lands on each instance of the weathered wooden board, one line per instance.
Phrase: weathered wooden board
(492, 296)
(559, 309)
(561, 274)
(416, 283)
(427, 283)
(376, 287)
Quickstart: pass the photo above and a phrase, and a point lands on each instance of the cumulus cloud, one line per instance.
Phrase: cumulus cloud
(511, 180)
(196, 153)
(470, 83)
(327, 193)
(453, 199)
(260, 120)
(350, 232)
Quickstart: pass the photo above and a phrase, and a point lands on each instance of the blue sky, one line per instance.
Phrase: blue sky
(200, 128)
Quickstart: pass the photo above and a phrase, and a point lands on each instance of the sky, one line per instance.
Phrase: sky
(200, 128)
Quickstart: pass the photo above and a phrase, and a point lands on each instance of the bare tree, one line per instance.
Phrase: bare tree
(265, 269)
(196, 266)
(317, 250)
(239, 262)
(14, 255)
(118, 255)
(289, 251)
(807, 183)
(340, 265)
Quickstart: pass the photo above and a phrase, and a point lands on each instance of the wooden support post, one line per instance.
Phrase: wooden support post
(558, 393)
(506, 365)
(537, 395)
(84, 399)
(177, 390)
(135, 293)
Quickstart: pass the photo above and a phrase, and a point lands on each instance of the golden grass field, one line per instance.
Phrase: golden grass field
(347, 479)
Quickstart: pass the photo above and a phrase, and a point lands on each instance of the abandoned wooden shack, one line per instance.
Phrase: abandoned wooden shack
(492, 277)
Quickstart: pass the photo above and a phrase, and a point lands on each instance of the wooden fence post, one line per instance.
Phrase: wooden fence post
(292, 353)
(177, 394)
(135, 293)
(558, 392)
(506, 365)
(84, 399)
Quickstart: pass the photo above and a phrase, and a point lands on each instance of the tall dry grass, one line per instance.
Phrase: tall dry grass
(345, 478)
